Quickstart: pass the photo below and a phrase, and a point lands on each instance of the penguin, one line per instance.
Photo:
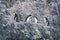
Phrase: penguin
(17, 17)
(46, 22)
(31, 19)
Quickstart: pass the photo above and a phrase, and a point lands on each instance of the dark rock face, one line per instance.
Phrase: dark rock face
(16, 24)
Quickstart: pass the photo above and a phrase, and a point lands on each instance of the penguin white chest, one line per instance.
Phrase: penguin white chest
(31, 19)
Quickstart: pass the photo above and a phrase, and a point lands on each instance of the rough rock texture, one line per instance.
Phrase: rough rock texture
(14, 13)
